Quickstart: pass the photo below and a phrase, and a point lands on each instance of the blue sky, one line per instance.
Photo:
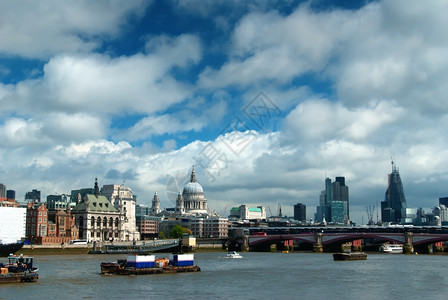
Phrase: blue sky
(266, 98)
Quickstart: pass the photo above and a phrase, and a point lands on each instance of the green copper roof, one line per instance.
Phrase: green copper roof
(254, 209)
(93, 203)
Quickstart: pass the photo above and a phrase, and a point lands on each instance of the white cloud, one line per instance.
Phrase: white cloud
(138, 83)
(320, 120)
(43, 28)
(268, 46)
(158, 125)
(101, 147)
(17, 132)
(74, 127)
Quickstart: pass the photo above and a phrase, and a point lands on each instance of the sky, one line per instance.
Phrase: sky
(265, 98)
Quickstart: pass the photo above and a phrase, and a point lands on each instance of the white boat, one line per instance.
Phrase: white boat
(391, 248)
(233, 254)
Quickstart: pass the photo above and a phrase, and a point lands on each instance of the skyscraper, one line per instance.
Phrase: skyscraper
(394, 199)
(334, 202)
(300, 212)
(2, 190)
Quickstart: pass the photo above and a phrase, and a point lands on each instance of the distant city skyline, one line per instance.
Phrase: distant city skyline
(328, 207)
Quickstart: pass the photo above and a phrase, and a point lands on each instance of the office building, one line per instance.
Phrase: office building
(334, 202)
(394, 199)
(300, 212)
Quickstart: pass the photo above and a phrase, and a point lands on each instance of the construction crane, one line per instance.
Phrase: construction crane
(224, 212)
(370, 210)
(270, 211)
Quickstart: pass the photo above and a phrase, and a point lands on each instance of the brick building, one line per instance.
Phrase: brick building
(44, 226)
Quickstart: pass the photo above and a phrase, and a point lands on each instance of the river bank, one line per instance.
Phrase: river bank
(33, 250)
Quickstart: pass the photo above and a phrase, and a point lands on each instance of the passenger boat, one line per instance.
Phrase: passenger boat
(391, 248)
(233, 254)
(148, 264)
(350, 256)
(11, 248)
(19, 269)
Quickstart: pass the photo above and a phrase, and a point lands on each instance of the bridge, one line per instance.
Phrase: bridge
(321, 239)
(150, 246)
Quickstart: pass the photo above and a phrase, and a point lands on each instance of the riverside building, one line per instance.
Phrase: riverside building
(96, 218)
(124, 201)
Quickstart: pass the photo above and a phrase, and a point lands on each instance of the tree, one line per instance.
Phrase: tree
(177, 232)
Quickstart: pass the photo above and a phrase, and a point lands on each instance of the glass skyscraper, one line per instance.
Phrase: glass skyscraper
(334, 202)
(394, 199)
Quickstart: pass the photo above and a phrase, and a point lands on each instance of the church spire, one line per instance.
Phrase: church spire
(97, 190)
(193, 176)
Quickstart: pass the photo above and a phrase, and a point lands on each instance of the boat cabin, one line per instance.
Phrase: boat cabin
(21, 262)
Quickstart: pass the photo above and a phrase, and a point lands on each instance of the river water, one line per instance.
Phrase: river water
(295, 275)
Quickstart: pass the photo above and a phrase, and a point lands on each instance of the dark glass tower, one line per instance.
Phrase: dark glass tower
(334, 202)
(300, 212)
(394, 200)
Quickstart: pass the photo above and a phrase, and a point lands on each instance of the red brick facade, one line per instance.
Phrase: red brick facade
(49, 227)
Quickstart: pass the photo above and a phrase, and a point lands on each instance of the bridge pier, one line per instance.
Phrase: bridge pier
(438, 247)
(318, 246)
(245, 245)
(408, 246)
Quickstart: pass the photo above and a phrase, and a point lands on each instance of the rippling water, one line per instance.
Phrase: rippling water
(256, 276)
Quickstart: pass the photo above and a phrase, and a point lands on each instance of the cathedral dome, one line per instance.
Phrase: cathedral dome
(193, 188)
(194, 201)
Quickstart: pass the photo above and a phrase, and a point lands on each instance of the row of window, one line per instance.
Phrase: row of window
(34, 213)
(104, 221)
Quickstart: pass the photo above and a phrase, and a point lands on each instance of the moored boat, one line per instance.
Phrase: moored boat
(350, 256)
(148, 264)
(233, 254)
(11, 248)
(19, 269)
(391, 248)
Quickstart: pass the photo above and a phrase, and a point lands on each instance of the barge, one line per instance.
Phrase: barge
(11, 248)
(148, 264)
(350, 256)
(19, 269)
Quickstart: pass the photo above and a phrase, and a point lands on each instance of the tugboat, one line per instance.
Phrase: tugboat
(19, 269)
(148, 264)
